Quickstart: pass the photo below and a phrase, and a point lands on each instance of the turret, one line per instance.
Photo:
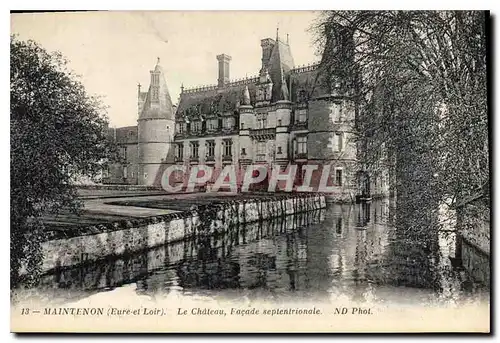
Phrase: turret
(283, 116)
(247, 122)
(156, 129)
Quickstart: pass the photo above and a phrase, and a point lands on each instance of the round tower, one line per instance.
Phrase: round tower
(156, 125)
(247, 122)
(283, 114)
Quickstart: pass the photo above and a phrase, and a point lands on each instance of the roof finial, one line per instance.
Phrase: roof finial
(277, 31)
(287, 38)
(158, 60)
(182, 87)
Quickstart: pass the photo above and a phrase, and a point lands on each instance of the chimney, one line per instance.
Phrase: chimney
(223, 60)
(267, 48)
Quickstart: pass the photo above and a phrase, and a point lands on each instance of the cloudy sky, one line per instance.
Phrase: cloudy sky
(114, 51)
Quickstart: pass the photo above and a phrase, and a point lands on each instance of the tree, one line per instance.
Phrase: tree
(57, 132)
(420, 83)
(419, 78)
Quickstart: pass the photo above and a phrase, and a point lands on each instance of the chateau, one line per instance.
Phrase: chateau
(285, 115)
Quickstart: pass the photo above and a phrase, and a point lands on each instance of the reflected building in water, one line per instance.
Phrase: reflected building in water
(348, 253)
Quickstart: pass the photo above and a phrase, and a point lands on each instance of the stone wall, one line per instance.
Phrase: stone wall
(476, 262)
(70, 282)
(121, 238)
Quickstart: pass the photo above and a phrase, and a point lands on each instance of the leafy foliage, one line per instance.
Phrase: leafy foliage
(57, 133)
(420, 81)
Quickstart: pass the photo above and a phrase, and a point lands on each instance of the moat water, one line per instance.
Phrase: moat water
(346, 252)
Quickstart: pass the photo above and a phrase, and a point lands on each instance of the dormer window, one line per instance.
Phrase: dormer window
(301, 115)
(196, 126)
(212, 124)
(228, 122)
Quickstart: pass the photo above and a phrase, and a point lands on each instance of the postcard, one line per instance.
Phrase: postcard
(250, 171)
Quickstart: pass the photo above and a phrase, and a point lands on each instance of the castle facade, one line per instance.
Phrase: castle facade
(285, 115)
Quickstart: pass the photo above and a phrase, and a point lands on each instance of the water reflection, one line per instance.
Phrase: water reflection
(348, 252)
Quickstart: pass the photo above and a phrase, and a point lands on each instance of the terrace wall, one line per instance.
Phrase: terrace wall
(121, 238)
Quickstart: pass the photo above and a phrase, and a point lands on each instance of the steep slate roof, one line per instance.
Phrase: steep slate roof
(165, 109)
(306, 81)
(122, 135)
(216, 101)
(142, 98)
(280, 63)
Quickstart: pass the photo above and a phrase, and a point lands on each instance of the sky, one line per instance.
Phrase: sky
(114, 51)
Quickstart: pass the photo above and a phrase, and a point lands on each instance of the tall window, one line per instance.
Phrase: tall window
(194, 149)
(338, 177)
(196, 126)
(180, 127)
(210, 148)
(228, 145)
(302, 145)
(261, 123)
(125, 172)
(339, 114)
(261, 151)
(339, 141)
(336, 112)
(124, 153)
(179, 152)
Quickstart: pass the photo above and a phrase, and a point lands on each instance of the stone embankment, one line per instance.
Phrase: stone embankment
(73, 247)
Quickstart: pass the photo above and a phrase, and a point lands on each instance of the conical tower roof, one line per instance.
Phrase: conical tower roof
(158, 104)
(280, 63)
(246, 96)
